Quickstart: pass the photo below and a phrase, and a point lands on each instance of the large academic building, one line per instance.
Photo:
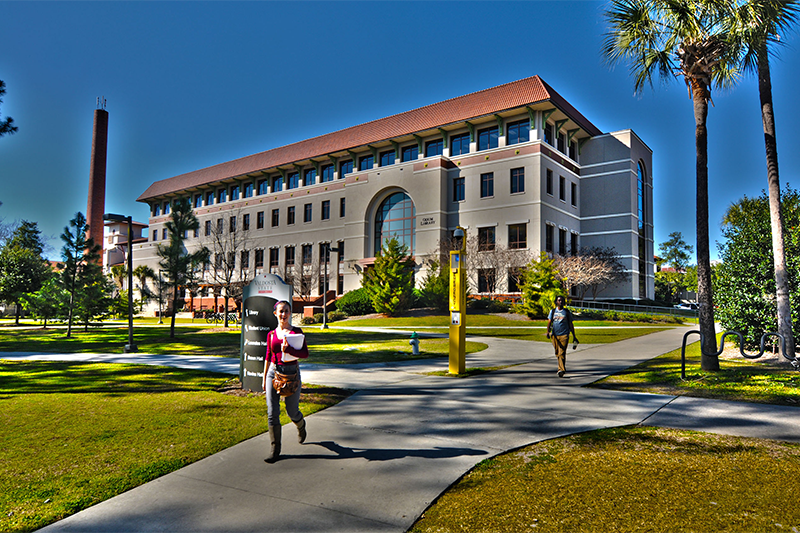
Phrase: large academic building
(516, 165)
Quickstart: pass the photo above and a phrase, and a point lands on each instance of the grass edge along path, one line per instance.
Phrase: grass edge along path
(76, 434)
(626, 479)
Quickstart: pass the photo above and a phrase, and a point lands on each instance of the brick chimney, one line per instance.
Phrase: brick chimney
(97, 175)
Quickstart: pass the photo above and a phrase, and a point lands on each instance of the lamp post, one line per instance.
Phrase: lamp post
(130, 347)
(325, 285)
(160, 297)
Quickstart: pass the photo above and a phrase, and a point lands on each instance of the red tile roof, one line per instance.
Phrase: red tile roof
(489, 101)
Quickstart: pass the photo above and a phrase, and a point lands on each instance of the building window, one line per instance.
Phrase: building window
(487, 185)
(308, 252)
(198, 200)
(246, 222)
(366, 162)
(410, 153)
(396, 217)
(327, 173)
(156, 210)
(514, 279)
(341, 207)
(517, 236)
(222, 196)
(562, 241)
(208, 228)
(220, 226)
(562, 188)
(573, 151)
(164, 234)
(244, 261)
(641, 178)
(573, 197)
(459, 144)
(274, 258)
(485, 239)
(289, 257)
(346, 167)
(196, 232)
(486, 279)
(487, 138)
(387, 158)
(562, 143)
(232, 224)
(549, 231)
(517, 180)
(434, 148)
(209, 198)
(260, 220)
(234, 193)
(259, 259)
(263, 186)
(248, 190)
(307, 213)
(549, 182)
(310, 177)
(458, 189)
(277, 184)
(549, 134)
(293, 180)
(166, 208)
(290, 215)
(326, 209)
(155, 234)
(276, 220)
(573, 244)
(518, 132)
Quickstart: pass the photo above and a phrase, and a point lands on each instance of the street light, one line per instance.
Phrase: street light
(160, 297)
(325, 285)
(130, 347)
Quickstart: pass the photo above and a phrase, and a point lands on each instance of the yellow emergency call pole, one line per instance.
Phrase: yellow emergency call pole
(458, 303)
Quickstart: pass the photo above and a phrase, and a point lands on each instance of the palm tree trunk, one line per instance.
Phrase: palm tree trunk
(775, 214)
(705, 298)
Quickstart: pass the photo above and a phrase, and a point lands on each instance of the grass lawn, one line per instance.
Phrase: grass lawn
(627, 479)
(327, 347)
(74, 434)
(739, 379)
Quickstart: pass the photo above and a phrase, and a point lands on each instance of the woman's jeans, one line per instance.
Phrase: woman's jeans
(274, 401)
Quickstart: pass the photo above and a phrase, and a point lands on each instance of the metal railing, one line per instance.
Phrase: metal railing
(762, 347)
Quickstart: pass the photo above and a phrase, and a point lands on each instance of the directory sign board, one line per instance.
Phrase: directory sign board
(258, 319)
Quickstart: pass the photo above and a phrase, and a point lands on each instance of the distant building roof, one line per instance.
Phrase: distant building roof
(509, 96)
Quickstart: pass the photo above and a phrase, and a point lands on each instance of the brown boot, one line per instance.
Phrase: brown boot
(275, 444)
(301, 430)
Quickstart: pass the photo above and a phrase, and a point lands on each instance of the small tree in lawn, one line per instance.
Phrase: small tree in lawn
(177, 262)
(540, 286)
(390, 281)
(80, 269)
(436, 285)
(49, 302)
(22, 267)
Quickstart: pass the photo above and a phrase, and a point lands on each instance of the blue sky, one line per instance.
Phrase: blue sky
(193, 84)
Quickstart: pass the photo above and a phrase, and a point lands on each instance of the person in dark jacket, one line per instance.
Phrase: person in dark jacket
(560, 322)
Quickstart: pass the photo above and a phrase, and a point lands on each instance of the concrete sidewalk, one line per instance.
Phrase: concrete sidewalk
(376, 461)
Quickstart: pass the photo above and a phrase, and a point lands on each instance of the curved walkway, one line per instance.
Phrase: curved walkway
(375, 461)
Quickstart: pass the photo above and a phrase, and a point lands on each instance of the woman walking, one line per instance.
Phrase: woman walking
(281, 368)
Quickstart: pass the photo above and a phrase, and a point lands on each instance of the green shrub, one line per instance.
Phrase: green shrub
(355, 303)
(306, 320)
(333, 316)
(496, 306)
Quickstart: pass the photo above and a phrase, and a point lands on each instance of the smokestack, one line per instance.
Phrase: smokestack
(97, 174)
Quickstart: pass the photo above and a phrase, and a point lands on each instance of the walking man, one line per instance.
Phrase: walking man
(560, 321)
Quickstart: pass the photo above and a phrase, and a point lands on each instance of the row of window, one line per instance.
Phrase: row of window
(459, 144)
(291, 215)
(566, 243)
(289, 258)
(516, 184)
(488, 280)
(562, 188)
(517, 237)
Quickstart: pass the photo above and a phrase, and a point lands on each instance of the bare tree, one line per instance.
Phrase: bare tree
(231, 266)
(590, 270)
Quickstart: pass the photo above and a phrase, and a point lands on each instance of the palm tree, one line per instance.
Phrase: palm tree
(755, 26)
(144, 273)
(680, 38)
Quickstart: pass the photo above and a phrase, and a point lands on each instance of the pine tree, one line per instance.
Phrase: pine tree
(540, 286)
(390, 281)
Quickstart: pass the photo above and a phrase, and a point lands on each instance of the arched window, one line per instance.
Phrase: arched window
(395, 218)
(642, 207)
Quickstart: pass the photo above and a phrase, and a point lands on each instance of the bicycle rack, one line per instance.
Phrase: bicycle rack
(794, 361)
